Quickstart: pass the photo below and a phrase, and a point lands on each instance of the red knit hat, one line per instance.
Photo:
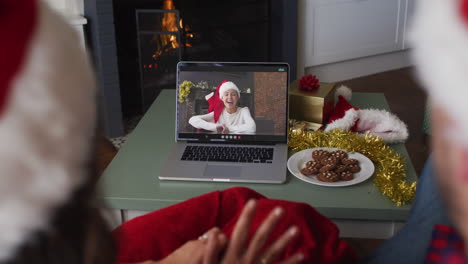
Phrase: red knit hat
(47, 118)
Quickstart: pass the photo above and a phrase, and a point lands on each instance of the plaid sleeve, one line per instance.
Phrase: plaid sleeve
(446, 246)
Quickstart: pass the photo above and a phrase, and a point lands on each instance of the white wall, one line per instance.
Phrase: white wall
(350, 69)
(377, 53)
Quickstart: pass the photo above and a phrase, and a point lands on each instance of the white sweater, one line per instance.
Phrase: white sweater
(240, 122)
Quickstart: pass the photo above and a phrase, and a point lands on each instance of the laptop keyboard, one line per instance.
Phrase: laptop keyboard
(228, 154)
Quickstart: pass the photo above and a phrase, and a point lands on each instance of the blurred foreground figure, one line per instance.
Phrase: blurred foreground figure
(48, 207)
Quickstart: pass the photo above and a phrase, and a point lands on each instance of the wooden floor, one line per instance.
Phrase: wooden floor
(406, 100)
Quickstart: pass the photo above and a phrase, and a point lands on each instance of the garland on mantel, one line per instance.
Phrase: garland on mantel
(390, 166)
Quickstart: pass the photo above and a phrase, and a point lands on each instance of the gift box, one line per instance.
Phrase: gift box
(311, 106)
(303, 125)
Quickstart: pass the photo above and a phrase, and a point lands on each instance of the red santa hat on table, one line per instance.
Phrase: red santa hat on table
(439, 37)
(378, 122)
(216, 105)
(47, 118)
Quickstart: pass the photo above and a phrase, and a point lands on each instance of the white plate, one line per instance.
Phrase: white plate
(297, 161)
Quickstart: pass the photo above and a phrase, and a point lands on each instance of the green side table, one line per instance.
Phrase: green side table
(130, 184)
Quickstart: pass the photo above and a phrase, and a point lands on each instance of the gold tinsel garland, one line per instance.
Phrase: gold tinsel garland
(390, 166)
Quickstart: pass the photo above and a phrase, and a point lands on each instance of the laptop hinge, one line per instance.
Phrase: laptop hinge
(233, 143)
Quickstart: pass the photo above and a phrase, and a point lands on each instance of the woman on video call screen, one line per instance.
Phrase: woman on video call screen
(224, 115)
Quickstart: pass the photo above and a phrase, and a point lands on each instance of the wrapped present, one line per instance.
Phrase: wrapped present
(296, 125)
(311, 106)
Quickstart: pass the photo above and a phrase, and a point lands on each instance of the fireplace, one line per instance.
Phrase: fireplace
(137, 43)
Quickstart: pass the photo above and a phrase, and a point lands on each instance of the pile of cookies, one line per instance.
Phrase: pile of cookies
(331, 166)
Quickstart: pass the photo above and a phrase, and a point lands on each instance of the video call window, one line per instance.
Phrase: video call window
(250, 103)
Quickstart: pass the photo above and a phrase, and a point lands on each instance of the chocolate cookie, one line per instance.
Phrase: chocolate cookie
(313, 164)
(354, 168)
(346, 176)
(339, 154)
(328, 176)
(320, 154)
(327, 167)
(347, 161)
(308, 171)
(340, 168)
(329, 160)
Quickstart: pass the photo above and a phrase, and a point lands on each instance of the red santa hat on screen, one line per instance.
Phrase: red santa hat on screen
(47, 118)
(439, 38)
(378, 122)
(216, 105)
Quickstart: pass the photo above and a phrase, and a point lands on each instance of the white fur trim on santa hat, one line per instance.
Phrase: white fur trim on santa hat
(345, 123)
(226, 87)
(45, 131)
(378, 122)
(383, 124)
(344, 91)
(208, 96)
(439, 37)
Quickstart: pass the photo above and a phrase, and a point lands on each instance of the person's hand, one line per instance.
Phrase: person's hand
(191, 252)
(222, 129)
(237, 252)
(219, 128)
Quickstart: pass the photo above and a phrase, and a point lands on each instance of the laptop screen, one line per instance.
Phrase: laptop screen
(232, 102)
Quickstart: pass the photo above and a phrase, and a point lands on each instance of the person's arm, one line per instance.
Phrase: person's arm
(203, 122)
(247, 126)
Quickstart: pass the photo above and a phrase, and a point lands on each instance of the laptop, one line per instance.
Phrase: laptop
(231, 123)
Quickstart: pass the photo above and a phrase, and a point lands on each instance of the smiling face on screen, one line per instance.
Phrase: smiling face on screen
(230, 99)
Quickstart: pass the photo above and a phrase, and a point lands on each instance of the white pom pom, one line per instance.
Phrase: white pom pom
(208, 96)
(344, 91)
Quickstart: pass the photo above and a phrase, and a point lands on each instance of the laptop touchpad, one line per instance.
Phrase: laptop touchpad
(222, 171)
